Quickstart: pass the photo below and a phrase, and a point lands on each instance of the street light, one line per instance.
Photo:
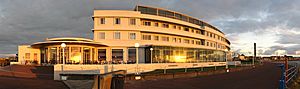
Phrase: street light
(151, 49)
(137, 45)
(226, 50)
(63, 45)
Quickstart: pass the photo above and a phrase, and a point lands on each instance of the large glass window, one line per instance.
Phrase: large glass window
(102, 55)
(131, 56)
(75, 55)
(117, 56)
(86, 55)
(53, 55)
(117, 35)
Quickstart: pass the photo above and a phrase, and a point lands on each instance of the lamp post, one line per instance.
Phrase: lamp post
(151, 49)
(226, 50)
(63, 45)
(137, 45)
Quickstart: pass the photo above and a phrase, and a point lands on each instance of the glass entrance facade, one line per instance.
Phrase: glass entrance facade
(167, 54)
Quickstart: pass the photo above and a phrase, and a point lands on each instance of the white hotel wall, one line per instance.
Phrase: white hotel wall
(131, 68)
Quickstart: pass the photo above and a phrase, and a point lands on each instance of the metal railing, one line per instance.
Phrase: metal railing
(287, 75)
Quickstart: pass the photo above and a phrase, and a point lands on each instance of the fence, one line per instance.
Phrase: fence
(287, 75)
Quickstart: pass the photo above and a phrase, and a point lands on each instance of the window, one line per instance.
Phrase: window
(101, 35)
(198, 32)
(179, 27)
(132, 36)
(174, 39)
(156, 24)
(146, 23)
(192, 30)
(132, 21)
(101, 54)
(192, 42)
(146, 37)
(102, 20)
(117, 21)
(117, 35)
(174, 26)
(117, 55)
(27, 55)
(179, 40)
(198, 42)
(207, 43)
(156, 38)
(164, 38)
(186, 41)
(165, 25)
(186, 29)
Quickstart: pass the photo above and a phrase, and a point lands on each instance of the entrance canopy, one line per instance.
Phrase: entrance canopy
(73, 41)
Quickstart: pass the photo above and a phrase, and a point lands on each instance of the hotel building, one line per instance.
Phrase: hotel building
(163, 36)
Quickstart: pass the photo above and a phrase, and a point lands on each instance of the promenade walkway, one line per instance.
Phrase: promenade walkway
(28, 77)
(263, 77)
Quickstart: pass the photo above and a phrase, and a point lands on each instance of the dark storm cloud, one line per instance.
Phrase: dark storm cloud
(25, 22)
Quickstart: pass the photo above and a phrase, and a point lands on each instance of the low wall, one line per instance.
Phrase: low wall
(130, 68)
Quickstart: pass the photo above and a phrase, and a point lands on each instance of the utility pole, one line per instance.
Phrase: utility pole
(254, 57)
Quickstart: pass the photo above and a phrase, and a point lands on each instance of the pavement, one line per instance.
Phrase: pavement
(28, 77)
(263, 77)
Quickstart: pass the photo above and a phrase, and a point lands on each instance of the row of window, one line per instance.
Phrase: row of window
(166, 25)
(117, 35)
(181, 40)
(132, 21)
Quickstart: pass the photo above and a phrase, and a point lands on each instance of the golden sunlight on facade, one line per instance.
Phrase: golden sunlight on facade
(163, 36)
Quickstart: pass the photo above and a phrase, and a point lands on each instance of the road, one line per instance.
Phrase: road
(263, 77)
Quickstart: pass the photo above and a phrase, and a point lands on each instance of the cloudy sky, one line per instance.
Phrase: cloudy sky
(272, 24)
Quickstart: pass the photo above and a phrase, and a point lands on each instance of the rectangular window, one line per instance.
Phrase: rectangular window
(207, 43)
(174, 39)
(117, 35)
(101, 35)
(132, 21)
(179, 40)
(156, 24)
(164, 38)
(198, 42)
(174, 26)
(102, 20)
(192, 42)
(186, 41)
(35, 56)
(192, 30)
(186, 29)
(165, 25)
(132, 36)
(27, 55)
(101, 55)
(198, 32)
(146, 37)
(179, 27)
(131, 56)
(117, 21)
(156, 38)
(146, 23)
(117, 56)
